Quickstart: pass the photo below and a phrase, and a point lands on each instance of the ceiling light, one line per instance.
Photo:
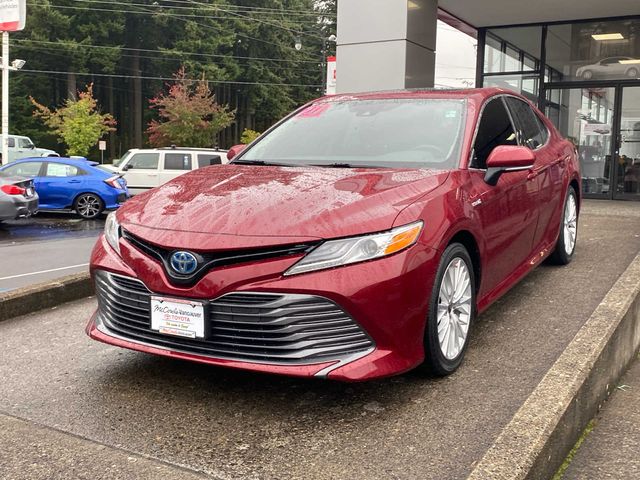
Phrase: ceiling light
(413, 5)
(630, 61)
(607, 36)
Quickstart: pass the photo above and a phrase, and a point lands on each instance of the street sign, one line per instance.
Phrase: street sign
(102, 145)
(13, 14)
(331, 76)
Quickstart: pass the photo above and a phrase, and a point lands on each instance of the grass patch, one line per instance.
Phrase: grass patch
(567, 461)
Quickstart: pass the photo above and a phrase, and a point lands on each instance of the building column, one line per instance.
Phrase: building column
(386, 44)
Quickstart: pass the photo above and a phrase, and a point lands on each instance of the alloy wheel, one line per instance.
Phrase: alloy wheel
(454, 308)
(88, 206)
(570, 224)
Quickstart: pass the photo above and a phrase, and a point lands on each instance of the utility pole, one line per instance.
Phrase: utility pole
(5, 98)
(12, 19)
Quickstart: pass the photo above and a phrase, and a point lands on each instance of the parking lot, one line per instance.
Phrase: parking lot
(25, 261)
(124, 408)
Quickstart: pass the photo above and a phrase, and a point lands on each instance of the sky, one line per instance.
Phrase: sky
(455, 58)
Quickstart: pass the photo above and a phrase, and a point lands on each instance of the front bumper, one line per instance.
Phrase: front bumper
(382, 306)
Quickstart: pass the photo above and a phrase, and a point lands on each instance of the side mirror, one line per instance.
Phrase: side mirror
(235, 151)
(125, 167)
(505, 159)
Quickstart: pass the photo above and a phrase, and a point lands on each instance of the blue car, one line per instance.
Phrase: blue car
(66, 184)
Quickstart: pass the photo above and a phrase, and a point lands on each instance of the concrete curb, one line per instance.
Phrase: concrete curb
(539, 436)
(44, 295)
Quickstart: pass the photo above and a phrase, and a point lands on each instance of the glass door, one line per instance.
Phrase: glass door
(626, 172)
(586, 117)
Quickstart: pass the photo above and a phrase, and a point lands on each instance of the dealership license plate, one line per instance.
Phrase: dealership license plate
(177, 317)
(30, 192)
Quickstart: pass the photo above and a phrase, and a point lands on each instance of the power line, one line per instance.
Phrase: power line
(238, 8)
(141, 77)
(166, 52)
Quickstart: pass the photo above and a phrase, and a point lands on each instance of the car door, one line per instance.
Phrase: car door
(142, 171)
(174, 165)
(548, 167)
(59, 185)
(507, 212)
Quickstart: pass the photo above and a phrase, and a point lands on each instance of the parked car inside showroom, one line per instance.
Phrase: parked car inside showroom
(358, 238)
(66, 184)
(18, 197)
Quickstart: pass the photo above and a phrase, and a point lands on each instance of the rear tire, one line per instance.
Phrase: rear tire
(568, 237)
(452, 312)
(88, 206)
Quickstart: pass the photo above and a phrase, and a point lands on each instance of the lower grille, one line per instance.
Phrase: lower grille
(253, 327)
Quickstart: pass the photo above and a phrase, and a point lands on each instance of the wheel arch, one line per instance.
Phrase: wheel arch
(468, 240)
(85, 192)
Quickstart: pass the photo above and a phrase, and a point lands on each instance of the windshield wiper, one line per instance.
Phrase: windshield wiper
(267, 163)
(345, 165)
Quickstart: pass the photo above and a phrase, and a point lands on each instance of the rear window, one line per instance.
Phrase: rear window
(177, 161)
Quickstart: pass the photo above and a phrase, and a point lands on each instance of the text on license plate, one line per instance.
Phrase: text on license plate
(177, 317)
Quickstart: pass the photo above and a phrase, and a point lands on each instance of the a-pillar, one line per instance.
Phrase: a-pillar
(386, 44)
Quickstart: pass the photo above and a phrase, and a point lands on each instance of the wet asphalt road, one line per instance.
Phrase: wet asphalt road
(44, 248)
(122, 405)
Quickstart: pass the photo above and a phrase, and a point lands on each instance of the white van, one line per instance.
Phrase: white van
(151, 167)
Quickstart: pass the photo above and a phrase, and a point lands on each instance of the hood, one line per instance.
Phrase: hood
(277, 204)
(44, 152)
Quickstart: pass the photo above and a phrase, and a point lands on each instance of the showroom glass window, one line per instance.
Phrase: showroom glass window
(512, 59)
(606, 50)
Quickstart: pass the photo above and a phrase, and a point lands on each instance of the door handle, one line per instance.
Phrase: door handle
(73, 181)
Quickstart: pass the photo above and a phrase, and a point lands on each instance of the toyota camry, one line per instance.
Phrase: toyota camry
(358, 238)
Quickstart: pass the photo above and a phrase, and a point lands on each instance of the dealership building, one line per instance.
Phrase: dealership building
(578, 60)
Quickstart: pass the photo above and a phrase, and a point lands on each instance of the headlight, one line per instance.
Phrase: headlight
(336, 253)
(112, 232)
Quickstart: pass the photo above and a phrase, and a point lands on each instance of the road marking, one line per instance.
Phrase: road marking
(44, 271)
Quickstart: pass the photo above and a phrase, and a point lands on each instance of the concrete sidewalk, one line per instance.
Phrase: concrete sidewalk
(612, 449)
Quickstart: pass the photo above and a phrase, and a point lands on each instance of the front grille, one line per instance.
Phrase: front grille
(253, 327)
(211, 260)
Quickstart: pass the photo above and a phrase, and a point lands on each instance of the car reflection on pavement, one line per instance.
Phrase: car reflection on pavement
(49, 226)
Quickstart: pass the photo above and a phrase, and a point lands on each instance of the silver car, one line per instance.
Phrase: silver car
(18, 197)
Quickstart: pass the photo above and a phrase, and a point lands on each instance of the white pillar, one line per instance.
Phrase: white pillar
(386, 44)
(5, 98)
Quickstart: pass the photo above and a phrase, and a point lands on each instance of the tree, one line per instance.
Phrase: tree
(189, 115)
(79, 123)
(249, 136)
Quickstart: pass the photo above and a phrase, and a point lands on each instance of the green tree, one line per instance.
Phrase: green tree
(249, 136)
(188, 115)
(78, 123)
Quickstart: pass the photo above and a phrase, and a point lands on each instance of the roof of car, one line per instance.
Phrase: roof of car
(473, 93)
(188, 149)
(78, 162)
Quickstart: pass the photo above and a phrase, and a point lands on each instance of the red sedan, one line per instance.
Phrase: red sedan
(358, 238)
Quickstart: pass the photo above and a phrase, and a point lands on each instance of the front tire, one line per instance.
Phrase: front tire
(452, 311)
(587, 74)
(88, 206)
(632, 72)
(566, 245)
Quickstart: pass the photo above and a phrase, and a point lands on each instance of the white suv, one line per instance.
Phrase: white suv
(23, 147)
(149, 168)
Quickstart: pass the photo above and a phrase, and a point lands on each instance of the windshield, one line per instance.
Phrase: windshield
(392, 133)
(117, 162)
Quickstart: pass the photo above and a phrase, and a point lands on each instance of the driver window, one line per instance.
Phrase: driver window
(495, 129)
(144, 161)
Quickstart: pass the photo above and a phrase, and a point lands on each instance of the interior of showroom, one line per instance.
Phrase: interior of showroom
(578, 60)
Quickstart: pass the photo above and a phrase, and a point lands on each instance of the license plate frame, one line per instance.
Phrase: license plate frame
(178, 317)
